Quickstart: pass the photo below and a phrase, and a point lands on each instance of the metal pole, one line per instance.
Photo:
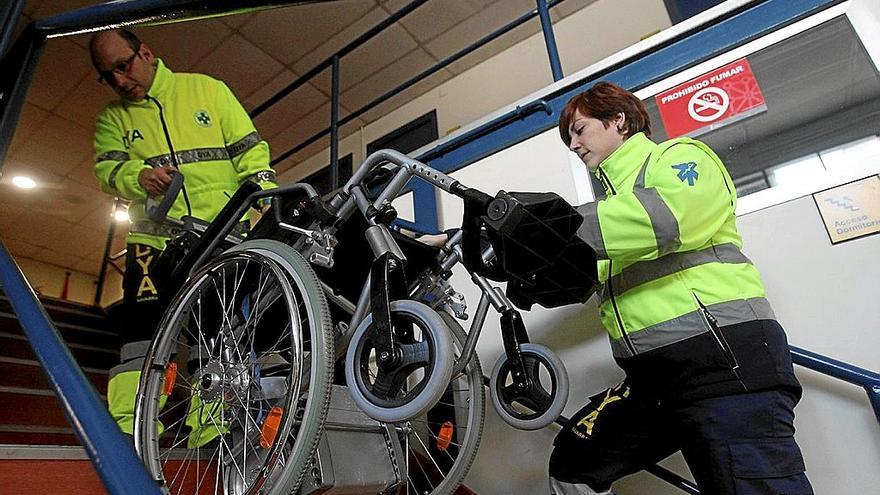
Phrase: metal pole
(9, 15)
(867, 379)
(280, 157)
(16, 71)
(122, 13)
(334, 125)
(108, 244)
(112, 455)
(874, 397)
(549, 39)
(351, 46)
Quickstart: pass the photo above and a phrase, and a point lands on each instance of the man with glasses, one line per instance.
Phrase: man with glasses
(164, 123)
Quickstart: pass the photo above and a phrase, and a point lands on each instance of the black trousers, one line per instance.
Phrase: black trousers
(739, 444)
(141, 288)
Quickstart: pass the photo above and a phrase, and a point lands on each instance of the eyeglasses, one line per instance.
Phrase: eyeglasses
(122, 68)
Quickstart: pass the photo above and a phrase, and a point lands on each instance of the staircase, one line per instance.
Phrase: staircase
(39, 452)
(35, 436)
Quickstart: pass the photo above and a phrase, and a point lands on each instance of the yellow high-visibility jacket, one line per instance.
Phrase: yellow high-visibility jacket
(666, 232)
(197, 119)
(684, 307)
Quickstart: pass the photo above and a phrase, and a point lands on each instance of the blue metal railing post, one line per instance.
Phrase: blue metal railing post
(334, 124)
(113, 456)
(280, 157)
(874, 397)
(9, 15)
(351, 46)
(550, 39)
(102, 274)
(866, 379)
(17, 68)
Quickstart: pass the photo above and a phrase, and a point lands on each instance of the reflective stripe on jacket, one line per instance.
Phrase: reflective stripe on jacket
(669, 250)
(213, 139)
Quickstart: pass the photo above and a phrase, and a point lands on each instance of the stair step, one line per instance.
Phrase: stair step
(67, 305)
(23, 435)
(30, 407)
(59, 477)
(17, 346)
(65, 312)
(71, 333)
(65, 470)
(25, 373)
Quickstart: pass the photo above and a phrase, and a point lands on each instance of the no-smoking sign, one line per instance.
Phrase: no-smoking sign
(711, 100)
(708, 104)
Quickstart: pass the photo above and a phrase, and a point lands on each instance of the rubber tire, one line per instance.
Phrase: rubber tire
(440, 365)
(556, 367)
(321, 373)
(321, 377)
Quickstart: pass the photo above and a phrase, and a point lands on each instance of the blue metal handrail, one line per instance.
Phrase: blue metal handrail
(9, 15)
(113, 456)
(866, 379)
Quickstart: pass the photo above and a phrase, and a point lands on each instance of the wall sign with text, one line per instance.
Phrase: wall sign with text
(851, 210)
(712, 100)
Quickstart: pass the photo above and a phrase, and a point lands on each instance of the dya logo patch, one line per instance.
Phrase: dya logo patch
(687, 172)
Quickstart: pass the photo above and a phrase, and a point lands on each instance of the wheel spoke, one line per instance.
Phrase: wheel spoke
(242, 319)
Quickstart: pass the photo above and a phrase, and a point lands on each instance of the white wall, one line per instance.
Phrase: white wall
(826, 298)
(865, 17)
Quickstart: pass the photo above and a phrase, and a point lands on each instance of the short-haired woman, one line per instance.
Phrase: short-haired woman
(708, 368)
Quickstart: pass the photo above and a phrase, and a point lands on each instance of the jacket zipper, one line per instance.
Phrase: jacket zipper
(712, 323)
(171, 149)
(624, 335)
(609, 189)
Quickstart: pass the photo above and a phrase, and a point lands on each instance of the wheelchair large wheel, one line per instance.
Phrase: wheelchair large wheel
(441, 444)
(414, 380)
(539, 404)
(235, 389)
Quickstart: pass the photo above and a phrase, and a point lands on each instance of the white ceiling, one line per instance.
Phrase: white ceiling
(65, 221)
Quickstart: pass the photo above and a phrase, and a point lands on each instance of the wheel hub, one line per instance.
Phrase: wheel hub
(222, 382)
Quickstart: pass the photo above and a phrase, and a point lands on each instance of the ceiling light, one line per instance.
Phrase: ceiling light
(24, 182)
(121, 215)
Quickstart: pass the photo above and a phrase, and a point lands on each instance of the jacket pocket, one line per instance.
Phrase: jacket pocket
(766, 459)
(717, 335)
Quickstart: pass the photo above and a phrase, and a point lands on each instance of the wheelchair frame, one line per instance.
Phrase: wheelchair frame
(516, 389)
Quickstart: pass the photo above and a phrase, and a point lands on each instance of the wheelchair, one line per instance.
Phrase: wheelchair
(323, 353)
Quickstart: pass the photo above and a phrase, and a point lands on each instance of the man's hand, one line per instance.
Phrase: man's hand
(156, 180)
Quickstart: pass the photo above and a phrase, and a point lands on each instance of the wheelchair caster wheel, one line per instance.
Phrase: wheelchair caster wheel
(405, 387)
(542, 401)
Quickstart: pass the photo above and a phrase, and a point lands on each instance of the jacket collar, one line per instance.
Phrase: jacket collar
(626, 159)
(162, 83)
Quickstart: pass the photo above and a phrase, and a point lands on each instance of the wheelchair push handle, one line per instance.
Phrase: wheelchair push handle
(158, 212)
